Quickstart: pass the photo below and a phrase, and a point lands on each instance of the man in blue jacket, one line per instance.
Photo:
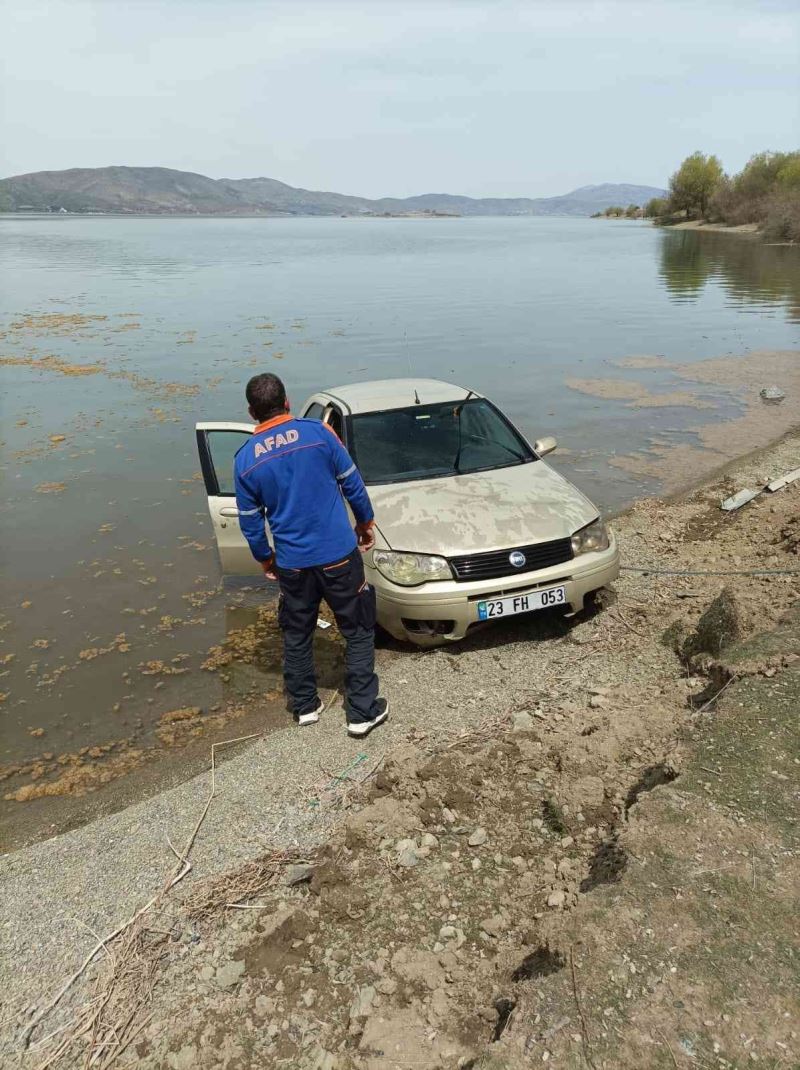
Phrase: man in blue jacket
(295, 475)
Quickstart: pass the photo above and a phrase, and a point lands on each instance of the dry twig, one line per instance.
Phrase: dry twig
(243, 884)
(713, 699)
(669, 1048)
(109, 1018)
(584, 1028)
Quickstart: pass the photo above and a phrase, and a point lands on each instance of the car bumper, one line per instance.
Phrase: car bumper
(437, 613)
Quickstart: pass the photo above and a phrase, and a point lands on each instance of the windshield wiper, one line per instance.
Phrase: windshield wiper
(458, 410)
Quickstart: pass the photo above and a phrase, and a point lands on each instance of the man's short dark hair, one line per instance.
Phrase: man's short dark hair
(266, 396)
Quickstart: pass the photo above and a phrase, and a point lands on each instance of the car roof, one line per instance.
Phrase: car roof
(380, 394)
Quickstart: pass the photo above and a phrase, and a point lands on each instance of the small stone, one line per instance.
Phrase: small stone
(324, 1060)
(229, 974)
(361, 1006)
(599, 702)
(588, 792)
(494, 925)
(478, 837)
(207, 973)
(556, 899)
(567, 841)
(263, 1006)
(185, 1059)
(448, 932)
(523, 722)
(429, 840)
(308, 997)
(448, 815)
(297, 874)
(386, 986)
(407, 856)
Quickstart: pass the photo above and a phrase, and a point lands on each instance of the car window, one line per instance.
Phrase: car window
(335, 422)
(314, 411)
(426, 441)
(222, 447)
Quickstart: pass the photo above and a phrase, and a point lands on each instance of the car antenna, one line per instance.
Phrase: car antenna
(416, 397)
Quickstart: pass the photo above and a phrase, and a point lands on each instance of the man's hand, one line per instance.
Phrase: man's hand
(269, 568)
(365, 533)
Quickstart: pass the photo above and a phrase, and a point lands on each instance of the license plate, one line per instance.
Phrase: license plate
(521, 603)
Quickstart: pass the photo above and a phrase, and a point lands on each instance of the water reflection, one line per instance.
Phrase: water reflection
(753, 275)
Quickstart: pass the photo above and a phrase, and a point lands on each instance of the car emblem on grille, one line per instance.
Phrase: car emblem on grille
(517, 559)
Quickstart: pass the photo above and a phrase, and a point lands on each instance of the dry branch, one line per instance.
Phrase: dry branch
(110, 1017)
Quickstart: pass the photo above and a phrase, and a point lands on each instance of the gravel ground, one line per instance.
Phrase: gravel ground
(59, 893)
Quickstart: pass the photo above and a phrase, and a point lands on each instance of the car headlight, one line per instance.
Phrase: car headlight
(410, 570)
(593, 537)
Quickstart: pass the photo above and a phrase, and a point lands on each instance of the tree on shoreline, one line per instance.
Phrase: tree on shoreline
(655, 207)
(694, 183)
(765, 192)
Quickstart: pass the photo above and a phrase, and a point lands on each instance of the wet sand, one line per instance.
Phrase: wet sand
(742, 378)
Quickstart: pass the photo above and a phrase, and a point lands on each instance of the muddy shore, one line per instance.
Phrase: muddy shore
(474, 825)
(745, 230)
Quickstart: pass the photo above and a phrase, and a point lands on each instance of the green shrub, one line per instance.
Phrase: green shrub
(655, 207)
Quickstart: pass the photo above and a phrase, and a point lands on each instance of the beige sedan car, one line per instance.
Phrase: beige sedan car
(472, 525)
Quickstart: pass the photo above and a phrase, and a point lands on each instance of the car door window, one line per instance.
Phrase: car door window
(335, 422)
(314, 411)
(217, 450)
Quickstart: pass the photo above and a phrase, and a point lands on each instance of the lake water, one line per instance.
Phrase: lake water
(118, 334)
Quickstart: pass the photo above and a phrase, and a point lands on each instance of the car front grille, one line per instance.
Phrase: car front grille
(496, 563)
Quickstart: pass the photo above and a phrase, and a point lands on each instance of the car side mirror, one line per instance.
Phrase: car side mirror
(543, 446)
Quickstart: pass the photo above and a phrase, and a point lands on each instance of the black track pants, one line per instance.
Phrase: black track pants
(352, 600)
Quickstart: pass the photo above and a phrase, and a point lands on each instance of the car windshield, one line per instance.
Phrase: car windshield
(430, 441)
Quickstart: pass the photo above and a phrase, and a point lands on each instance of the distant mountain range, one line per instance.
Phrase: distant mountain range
(161, 191)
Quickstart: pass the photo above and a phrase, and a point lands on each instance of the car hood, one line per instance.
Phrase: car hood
(465, 514)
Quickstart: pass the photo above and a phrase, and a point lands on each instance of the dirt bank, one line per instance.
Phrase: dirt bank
(561, 849)
(745, 230)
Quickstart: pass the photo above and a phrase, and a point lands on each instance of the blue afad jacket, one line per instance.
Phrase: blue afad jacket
(293, 474)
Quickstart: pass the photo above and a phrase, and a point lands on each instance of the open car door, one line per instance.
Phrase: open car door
(217, 444)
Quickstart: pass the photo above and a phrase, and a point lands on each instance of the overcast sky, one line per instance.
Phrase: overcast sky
(384, 98)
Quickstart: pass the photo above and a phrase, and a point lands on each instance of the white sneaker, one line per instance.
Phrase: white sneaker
(363, 728)
(311, 716)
